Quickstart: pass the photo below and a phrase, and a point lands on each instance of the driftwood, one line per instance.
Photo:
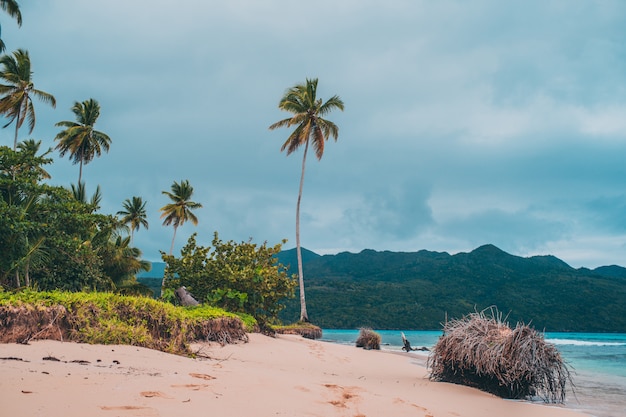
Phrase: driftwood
(185, 298)
(407, 345)
(482, 351)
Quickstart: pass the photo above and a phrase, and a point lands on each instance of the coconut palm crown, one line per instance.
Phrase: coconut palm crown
(180, 209)
(134, 214)
(17, 90)
(80, 139)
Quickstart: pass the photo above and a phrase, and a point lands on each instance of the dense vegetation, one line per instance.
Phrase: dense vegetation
(54, 238)
(241, 277)
(397, 290)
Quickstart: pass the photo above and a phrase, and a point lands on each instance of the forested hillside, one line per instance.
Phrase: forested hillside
(386, 290)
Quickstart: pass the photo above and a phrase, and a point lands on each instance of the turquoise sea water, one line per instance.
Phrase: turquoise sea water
(597, 362)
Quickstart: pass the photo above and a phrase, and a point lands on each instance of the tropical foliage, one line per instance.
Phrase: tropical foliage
(308, 117)
(241, 277)
(18, 91)
(79, 138)
(51, 237)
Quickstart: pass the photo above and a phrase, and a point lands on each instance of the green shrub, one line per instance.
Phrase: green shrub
(240, 277)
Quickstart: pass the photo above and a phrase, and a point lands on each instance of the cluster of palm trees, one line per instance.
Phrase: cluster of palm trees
(78, 139)
(82, 143)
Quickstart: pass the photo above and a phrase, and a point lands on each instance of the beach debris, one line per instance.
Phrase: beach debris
(482, 351)
(202, 376)
(407, 345)
(368, 339)
(12, 358)
(152, 394)
(51, 358)
(185, 297)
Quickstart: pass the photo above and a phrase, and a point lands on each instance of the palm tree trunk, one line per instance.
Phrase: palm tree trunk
(80, 171)
(171, 250)
(17, 124)
(27, 274)
(173, 239)
(304, 317)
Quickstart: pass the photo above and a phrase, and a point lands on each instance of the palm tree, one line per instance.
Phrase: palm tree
(134, 214)
(80, 194)
(178, 211)
(30, 147)
(13, 10)
(16, 102)
(79, 138)
(122, 262)
(308, 112)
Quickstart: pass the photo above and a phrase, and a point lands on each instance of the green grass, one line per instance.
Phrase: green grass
(107, 318)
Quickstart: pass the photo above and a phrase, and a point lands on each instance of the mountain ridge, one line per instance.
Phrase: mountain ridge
(419, 290)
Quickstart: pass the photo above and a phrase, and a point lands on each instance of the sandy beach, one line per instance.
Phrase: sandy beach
(283, 376)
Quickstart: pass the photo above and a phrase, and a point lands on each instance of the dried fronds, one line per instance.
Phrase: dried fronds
(482, 351)
(368, 339)
(304, 329)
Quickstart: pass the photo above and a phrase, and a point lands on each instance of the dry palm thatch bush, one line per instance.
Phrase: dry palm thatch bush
(306, 330)
(482, 351)
(368, 339)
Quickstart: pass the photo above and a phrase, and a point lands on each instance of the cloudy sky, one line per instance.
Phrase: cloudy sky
(465, 123)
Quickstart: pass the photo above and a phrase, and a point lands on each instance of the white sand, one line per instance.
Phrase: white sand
(283, 376)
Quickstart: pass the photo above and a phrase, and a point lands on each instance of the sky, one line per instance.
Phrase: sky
(465, 123)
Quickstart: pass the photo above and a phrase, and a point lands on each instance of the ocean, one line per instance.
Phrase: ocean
(597, 362)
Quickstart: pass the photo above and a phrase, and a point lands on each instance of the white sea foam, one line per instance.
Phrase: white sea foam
(583, 342)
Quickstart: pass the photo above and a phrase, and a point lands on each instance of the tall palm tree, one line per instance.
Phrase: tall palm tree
(308, 112)
(12, 9)
(16, 102)
(134, 214)
(179, 210)
(80, 138)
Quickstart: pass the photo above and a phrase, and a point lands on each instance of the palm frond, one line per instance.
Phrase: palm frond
(12, 8)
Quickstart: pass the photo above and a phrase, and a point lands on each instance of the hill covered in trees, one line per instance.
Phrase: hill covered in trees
(418, 290)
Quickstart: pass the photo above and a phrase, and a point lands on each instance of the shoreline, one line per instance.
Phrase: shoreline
(287, 375)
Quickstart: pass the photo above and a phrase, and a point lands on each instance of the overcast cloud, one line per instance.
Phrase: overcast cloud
(465, 123)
